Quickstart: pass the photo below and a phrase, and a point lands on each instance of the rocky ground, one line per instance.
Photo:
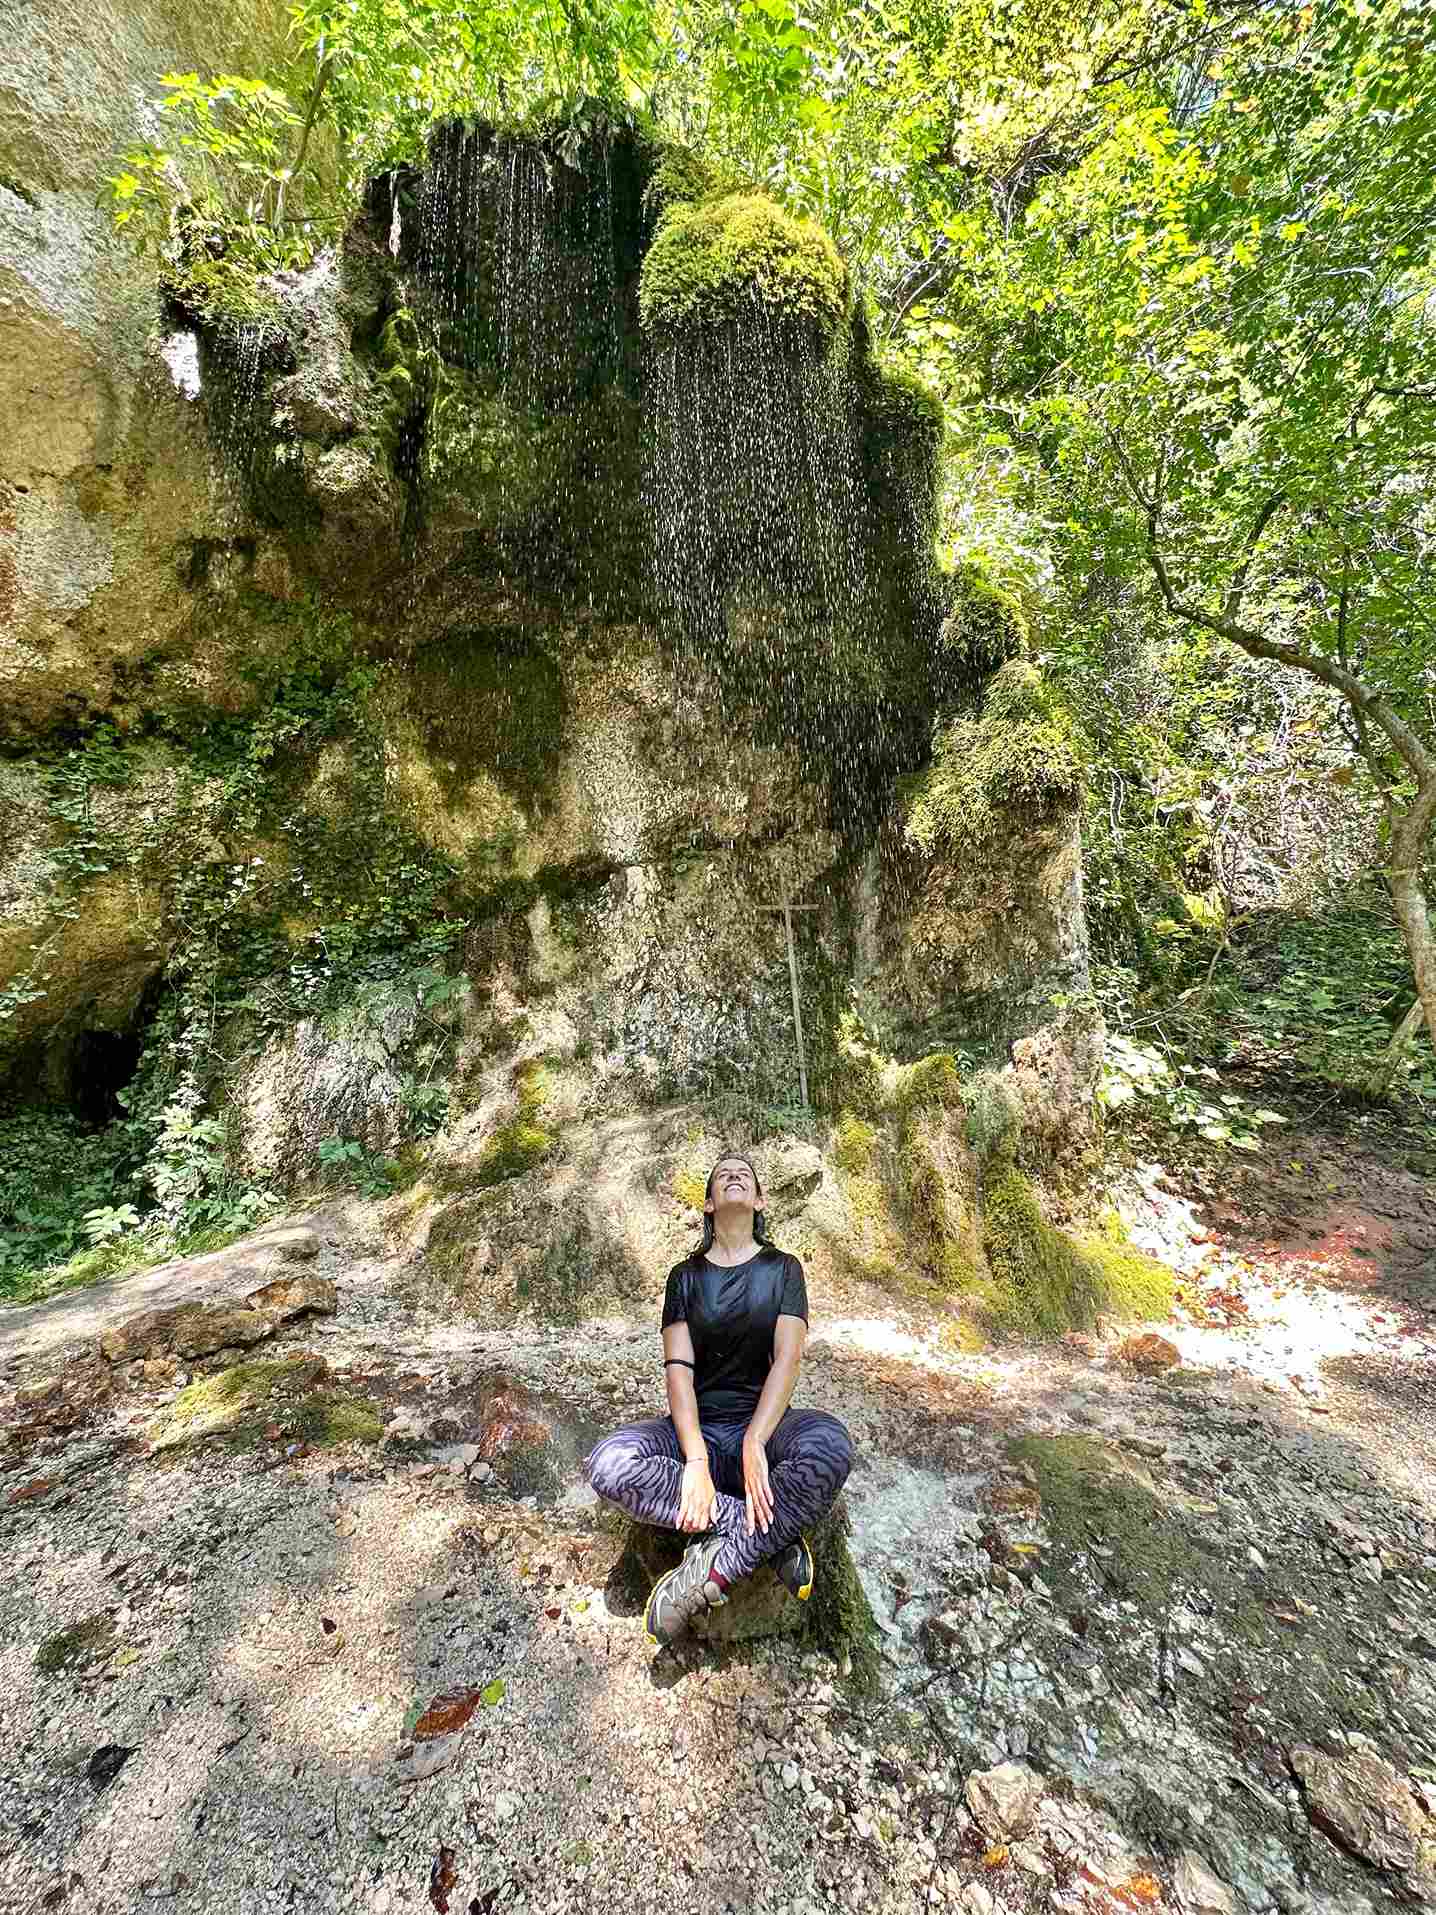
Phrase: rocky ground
(344, 1629)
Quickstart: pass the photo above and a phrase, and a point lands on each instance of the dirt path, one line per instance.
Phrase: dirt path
(1150, 1591)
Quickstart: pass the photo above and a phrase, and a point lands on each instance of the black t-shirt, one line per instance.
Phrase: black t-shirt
(730, 1313)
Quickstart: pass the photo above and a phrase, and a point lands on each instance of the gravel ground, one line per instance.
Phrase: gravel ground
(234, 1731)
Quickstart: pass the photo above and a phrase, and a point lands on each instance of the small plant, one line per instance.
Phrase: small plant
(111, 1221)
(364, 1170)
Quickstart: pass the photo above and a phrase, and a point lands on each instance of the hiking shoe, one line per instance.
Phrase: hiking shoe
(794, 1569)
(680, 1595)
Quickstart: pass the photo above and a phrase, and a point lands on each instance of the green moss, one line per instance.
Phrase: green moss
(985, 626)
(853, 1080)
(517, 1146)
(994, 1121)
(1025, 754)
(1088, 1497)
(931, 1083)
(499, 462)
(853, 1143)
(839, 1618)
(711, 261)
(900, 402)
(493, 708)
(237, 1403)
(327, 1419)
(73, 1648)
(1044, 1282)
(681, 177)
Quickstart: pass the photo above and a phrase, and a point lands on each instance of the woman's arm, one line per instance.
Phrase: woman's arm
(682, 1396)
(695, 1509)
(789, 1336)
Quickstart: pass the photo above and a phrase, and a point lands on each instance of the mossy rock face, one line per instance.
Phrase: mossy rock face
(1025, 755)
(487, 464)
(985, 626)
(1089, 1497)
(238, 1403)
(721, 261)
(1044, 1282)
(490, 706)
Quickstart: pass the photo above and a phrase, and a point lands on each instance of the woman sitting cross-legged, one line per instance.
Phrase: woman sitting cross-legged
(730, 1459)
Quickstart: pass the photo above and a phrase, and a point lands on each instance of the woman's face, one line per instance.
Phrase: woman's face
(732, 1186)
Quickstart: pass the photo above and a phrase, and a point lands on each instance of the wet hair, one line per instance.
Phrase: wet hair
(760, 1216)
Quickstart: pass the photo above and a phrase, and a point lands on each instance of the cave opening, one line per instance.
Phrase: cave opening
(102, 1065)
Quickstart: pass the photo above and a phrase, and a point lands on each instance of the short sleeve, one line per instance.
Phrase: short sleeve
(675, 1297)
(795, 1291)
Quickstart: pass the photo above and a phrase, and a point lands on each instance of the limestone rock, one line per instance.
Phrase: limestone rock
(760, 1605)
(1198, 1891)
(292, 1296)
(1148, 1351)
(295, 1243)
(145, 1335)
(1363, 1803)
(791, 1164)
(219, 1326)
(1004, 1800)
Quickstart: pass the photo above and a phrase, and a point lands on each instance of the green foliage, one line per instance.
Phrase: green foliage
(350, 1162)
(712, 262)
(1138, 1071)
(1025, 752)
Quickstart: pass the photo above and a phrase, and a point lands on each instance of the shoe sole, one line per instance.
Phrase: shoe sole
(658, 1642)
(807, 1588)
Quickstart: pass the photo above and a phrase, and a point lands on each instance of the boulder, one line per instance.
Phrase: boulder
(1004, 1800)
(1364, 1804)
(293, 1296)
(1148, 1351)
(836, 1616)
(1198, 1891)
(218, 1326)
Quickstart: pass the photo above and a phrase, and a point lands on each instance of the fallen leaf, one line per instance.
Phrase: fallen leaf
(581, 1604)
(493, 1693)
(995, 1857)
(553, 1612)
(442, 1877)
(447, 1712)
(328, 1625)
(41, 1486)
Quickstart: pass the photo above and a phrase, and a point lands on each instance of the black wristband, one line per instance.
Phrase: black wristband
(677, 1359)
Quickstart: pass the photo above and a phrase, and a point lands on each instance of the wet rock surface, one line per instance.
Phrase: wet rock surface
(1145, 1640)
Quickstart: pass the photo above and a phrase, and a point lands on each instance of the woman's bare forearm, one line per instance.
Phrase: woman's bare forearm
(778, 1390)
(683, 1408)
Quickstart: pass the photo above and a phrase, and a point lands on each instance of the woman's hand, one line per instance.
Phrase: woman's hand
(757, 1490)
(695, 1502)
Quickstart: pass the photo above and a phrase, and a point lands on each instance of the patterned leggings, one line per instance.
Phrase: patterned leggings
(640, 1468)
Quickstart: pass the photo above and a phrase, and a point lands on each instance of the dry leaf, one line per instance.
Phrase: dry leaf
(27, 1492)
(442, 1878)
(446, 1713)
(996, 1857)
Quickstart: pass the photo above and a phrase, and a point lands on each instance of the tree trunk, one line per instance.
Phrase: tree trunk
(1408, 843)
